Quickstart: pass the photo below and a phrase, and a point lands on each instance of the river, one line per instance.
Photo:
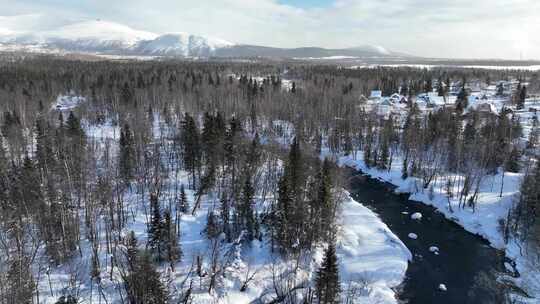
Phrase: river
(465, 263)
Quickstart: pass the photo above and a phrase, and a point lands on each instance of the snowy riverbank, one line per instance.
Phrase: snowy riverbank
(368, 251)
(492, 207)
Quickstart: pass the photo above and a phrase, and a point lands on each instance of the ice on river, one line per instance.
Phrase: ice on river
(416, 216)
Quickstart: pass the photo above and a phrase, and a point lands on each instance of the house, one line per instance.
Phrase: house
(386, 102)
(396, 98)
(376, 95)
(384, 108)
(432, 99)
(485, 107)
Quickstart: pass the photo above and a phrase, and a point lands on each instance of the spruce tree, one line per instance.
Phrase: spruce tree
(155, 231)
(191, 146)
(4, 175)
(32, 195)
(126, 162)
(75, 148)
(522, 95)
(67, 300)
(232, 151)
(183, 204)
(290, 214)
(143, 284)
(172, 248)
(247, 216)
(225, 213)
(132, 250)
(462, 100)
(327, 285)
(326, 201)
(20, 281)
(512, 162)
(440, 88)
(212, 228)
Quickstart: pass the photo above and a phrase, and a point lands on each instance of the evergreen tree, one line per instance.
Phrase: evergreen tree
(440, 88)
(225, 213)
(500, 89)
(155, 231)
(522, 95)
(247, 217)
(428, 88)
(254, 154)
(4, 176)
(326, 201)
(44, 147)
(143, 284)
(212, 138)
(75, 148)
(20, 282)
(127, 94)
(462, 100)
(183, 204)
(191, 146)
(404, 169)
(172, 248)
(289, 215)
(126, 162)
(212, 228)
(327, 280)
(232, 147)
(31, 192)
(132, 250)
(512, 162)
(67, 300)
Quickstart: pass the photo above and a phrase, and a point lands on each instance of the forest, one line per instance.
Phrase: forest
(252, 146)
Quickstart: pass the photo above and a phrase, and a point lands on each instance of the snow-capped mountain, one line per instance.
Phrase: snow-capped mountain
(103, 37)
(181, 44)
(87, 36)
(112, 38)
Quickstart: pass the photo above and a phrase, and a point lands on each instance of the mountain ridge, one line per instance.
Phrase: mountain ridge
(109, 38)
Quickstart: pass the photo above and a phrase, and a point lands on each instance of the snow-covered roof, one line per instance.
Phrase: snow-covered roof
(386, 102)
(484, 106)
(376, 94)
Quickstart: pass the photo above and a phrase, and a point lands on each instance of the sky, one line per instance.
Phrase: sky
(505, 29)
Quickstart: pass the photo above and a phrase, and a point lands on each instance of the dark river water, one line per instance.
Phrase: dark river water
(466, 264)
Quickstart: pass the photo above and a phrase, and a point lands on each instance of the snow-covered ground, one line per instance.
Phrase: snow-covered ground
(67, 102)
(372, 260)
(369, 252)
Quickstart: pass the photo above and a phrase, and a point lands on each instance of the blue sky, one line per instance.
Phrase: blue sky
(441, 28)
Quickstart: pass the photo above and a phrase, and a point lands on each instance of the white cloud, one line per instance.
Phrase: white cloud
(445, 28)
